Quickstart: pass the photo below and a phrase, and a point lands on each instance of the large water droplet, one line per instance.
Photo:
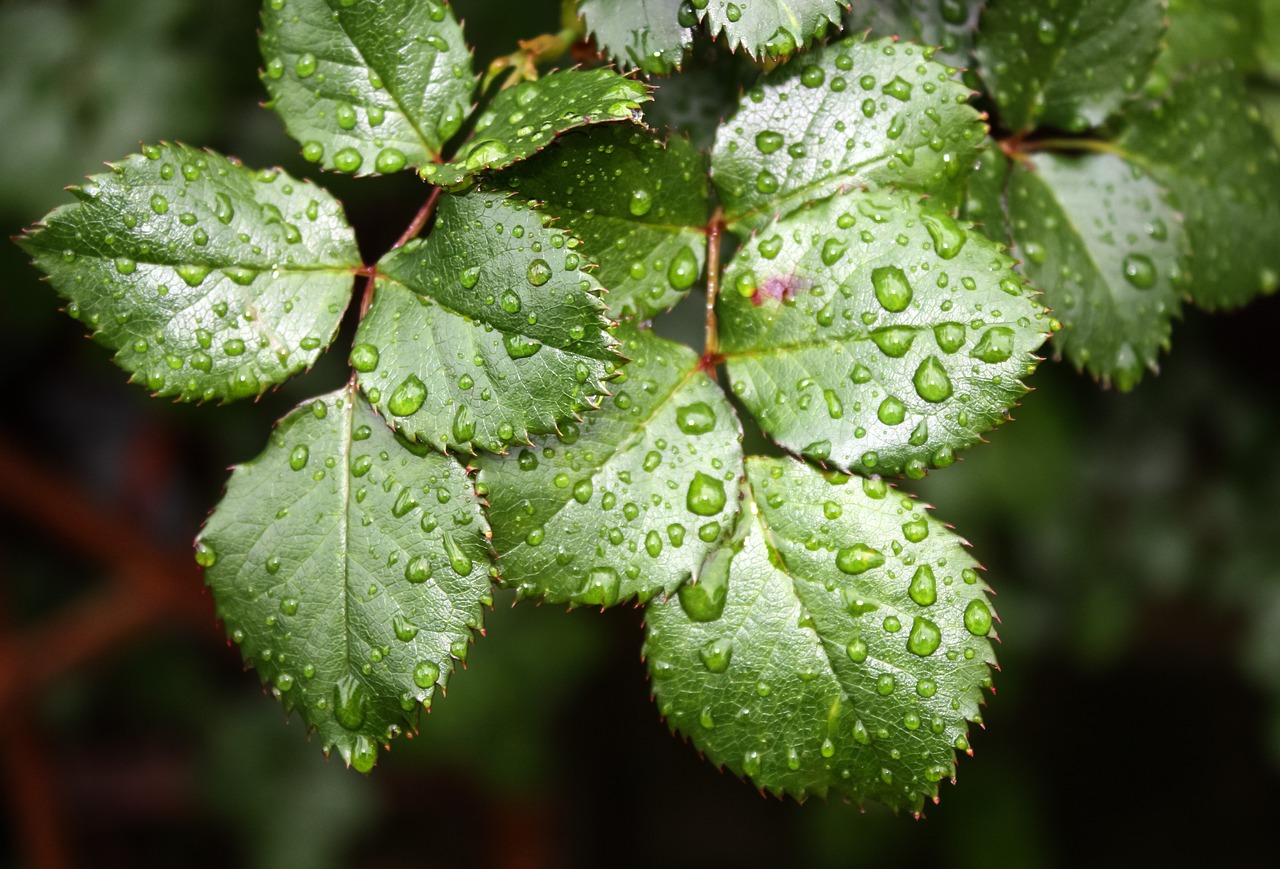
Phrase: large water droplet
(706, 496)
(996, 345)
(601, 587)
(407, 397)
(977, 618)
(924, 639)
(350, 703)
(931, 381)
(893, 291)
(716, 654)
(858, 558)
(695, 419)
(924, 586)
(683, 270)
(539, 272)
(425, 674)
(948, 237)
(458, 560)
(418, 570)
(1140, 271)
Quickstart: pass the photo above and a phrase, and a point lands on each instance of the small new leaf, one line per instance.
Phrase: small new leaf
(524, 119)
(367, 87)
(875, 333)
(839, 645)
(487, 331)
(631, 501)
(1206, 144)
(772, 28)
(639, 205)
(1066, 65)
(1097, 236)
(209, 280)
(849, 114)
(350, 570)
(653, 35)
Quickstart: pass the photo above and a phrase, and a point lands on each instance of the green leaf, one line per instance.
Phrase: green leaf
(773, 28)
(1097, 236)
(209, 280)
(850, 114)
(485, 332)
(351, 571)
(984, 200)
(694, 102)
(631, 501)
(1066, 65)
(639, 206)
(1211, 31)
(524, 119)
(872, 332)
(1205, 142)
(367, 87)
(839, 646)
(949, 24)
(652, 35)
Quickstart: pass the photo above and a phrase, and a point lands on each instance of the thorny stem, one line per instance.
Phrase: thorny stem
(711, 352)
(411, 232)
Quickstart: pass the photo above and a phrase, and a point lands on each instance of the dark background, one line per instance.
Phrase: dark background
(1134, 541)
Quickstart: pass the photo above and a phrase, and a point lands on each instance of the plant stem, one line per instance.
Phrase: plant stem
(1015, 148)
(711, 351)
(411, 232)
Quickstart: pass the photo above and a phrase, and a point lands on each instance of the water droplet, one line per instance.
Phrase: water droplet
(305, 65)
(464, 425)
(931, 381)
(704, 600)
(350, 704)
(347, 160)
(915, 531)
(892, 411)
(716, 655)
(858, 558)
(948, 237)
(857, 651)
(520, 347)
(418, 570)
(683, 270)
(510, 302)
(222, 208)
(886, 683)
(364, 358)
(706, 495)
(298, 457)
(924, 586)
(407, 397)
(159, 204)
(640, 202)
(1140, 271)
(899, 88)
(996, 345)
(458, 560)
(892, 288)
(539, 272)
(389, 159)
(924, 638)
(601, 587)
(425, 674)
(832, 251)
(893, 341)
(766, 182)
(205, 554)
(192, 275)
(812, 76)
(695, 419)
(977, 618)
(950, 336)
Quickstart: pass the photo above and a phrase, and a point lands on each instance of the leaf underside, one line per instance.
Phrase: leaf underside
(639, 205)
(1097, 236)
(367, 87)
(524, 119)
(849, 114)
(209, 280)
(839, 646)
(1066, 65)
(629, 502)
(875, 333)
(351, 571)
(486, 331)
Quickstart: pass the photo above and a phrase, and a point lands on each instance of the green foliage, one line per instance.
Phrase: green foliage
(513, 419)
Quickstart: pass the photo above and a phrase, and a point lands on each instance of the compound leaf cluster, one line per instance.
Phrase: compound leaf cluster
(512, 418)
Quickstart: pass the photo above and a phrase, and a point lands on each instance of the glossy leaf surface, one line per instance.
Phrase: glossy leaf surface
(210, 281)
(770, 28)
(486, 331)
(639, 205)
(1206, 144)
(630, 501)
(840, 645)
(1098, 238)
(350, 570)
(850, 114)
(524, 119)
(367, 87)
(1068, 65)
(874, 333)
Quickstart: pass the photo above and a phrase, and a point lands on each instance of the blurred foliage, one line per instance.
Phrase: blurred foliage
(1132, 540)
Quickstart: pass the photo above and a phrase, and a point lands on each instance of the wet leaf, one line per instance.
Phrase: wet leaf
(769, 28)
(630, 501)
(524, 119)
(948, 24)
(350, 570)
(652, 36)
(209, 280)
(1066, 65)
(367, 87)
(840, 645)
(484, 332)
(1205, 142)
(874, 333)
(1096, 235)
(850, 114)
(639, 205)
